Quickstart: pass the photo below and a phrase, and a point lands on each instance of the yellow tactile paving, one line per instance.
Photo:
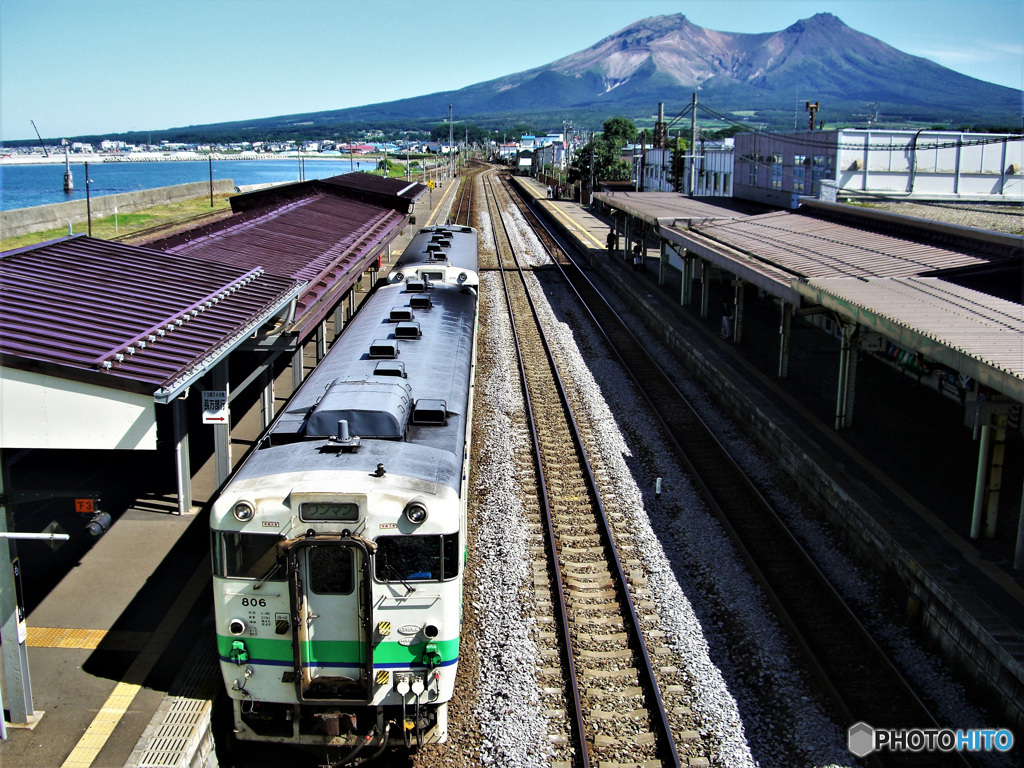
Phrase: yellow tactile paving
(85, 639)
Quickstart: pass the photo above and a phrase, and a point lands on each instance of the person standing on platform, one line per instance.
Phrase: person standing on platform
(610, 240)
(636, 257)
(726, 320)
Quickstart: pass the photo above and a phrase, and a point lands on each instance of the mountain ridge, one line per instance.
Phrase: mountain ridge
(757, 78)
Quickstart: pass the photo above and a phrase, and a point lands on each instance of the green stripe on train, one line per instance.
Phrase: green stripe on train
(330, 651)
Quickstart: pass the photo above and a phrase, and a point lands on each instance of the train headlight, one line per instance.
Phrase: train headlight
(399, 277)
(243, 511)
(463, 277)
(416, 513)
(236, 627)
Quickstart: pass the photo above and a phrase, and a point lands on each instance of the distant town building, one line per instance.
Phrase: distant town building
(712, 167)
(552, 154)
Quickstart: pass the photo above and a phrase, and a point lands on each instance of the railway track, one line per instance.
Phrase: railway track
(168, 228)
(613, 708)
(862, 683)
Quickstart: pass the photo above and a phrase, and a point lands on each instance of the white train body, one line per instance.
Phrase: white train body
(339, 544)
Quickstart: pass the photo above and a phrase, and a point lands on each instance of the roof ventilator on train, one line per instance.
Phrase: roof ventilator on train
(389, 368)
(370, 409)
(383, 349)
(408, 331)
(430, 413)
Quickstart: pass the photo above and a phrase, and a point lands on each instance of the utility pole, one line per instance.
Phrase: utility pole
(693, 144)
(451, 140)
(812, 108)
(592, 139)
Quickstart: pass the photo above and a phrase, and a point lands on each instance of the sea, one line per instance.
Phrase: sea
(24, 186)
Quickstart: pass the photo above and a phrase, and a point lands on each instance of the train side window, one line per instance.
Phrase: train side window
(331, 571)
(247, 556)
(450, 555)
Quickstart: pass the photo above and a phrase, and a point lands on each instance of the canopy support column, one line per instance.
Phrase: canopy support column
(847, 376)
(979, 483)
(222, 432)
(737, 310)
(297, 365)
(267, 397)
(321, 340)
(339, 319)
(704, 288)
(15, 654)
(995, 475)
(182, 462)
(686, 290)
(785, 327)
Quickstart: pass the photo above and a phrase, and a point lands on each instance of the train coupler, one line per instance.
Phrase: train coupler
(330, 723)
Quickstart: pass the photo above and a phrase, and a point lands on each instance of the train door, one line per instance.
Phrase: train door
(330, 588)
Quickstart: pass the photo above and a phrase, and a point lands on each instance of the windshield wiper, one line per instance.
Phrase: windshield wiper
(398, 576)
(268, 574)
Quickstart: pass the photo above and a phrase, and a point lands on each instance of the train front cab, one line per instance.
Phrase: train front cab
(374, 629)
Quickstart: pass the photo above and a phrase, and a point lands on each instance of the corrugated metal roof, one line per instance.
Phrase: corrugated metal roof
(146, 318)
(369, 182)
(323, 240)
(815, 248)
(673, 208)
(945, 322)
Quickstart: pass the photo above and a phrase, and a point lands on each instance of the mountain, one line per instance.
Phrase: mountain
(667, 58)
(766, 78)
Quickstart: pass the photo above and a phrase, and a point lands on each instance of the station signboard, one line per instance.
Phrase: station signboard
(215, 406)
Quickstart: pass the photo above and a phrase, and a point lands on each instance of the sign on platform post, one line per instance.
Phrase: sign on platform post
(215, 406)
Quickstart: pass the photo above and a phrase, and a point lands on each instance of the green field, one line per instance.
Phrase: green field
(132, 227)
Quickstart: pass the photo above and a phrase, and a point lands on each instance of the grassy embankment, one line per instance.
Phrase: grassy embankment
(187, 213)
(138, 223)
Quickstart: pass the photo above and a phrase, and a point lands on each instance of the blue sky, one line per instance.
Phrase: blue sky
(93, 66)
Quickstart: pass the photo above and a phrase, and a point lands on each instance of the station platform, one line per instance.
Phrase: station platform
(905, 471)
(120, 634)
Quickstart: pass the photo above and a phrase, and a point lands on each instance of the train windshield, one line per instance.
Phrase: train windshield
(417, 558)
(247, 556)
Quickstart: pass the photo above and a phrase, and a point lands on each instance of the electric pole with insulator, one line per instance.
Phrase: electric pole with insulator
(812, 108)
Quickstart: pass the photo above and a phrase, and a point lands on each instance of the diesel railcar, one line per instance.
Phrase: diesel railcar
(339, 544)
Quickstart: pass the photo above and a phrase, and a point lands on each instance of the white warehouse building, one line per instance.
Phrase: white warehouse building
(915, 165)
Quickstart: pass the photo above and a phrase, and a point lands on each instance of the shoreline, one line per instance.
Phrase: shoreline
(160, 157)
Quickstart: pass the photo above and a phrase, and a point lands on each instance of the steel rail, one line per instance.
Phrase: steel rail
(539, 467)
(689, 435)
(666, 744)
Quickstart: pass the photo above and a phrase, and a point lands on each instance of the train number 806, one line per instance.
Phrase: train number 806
(254, 602)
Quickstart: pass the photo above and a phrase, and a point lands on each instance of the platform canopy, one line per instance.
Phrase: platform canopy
(893, 274)
(93, 333)
(325, 233)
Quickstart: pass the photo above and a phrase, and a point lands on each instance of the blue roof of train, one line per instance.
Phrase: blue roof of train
(348, 386)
